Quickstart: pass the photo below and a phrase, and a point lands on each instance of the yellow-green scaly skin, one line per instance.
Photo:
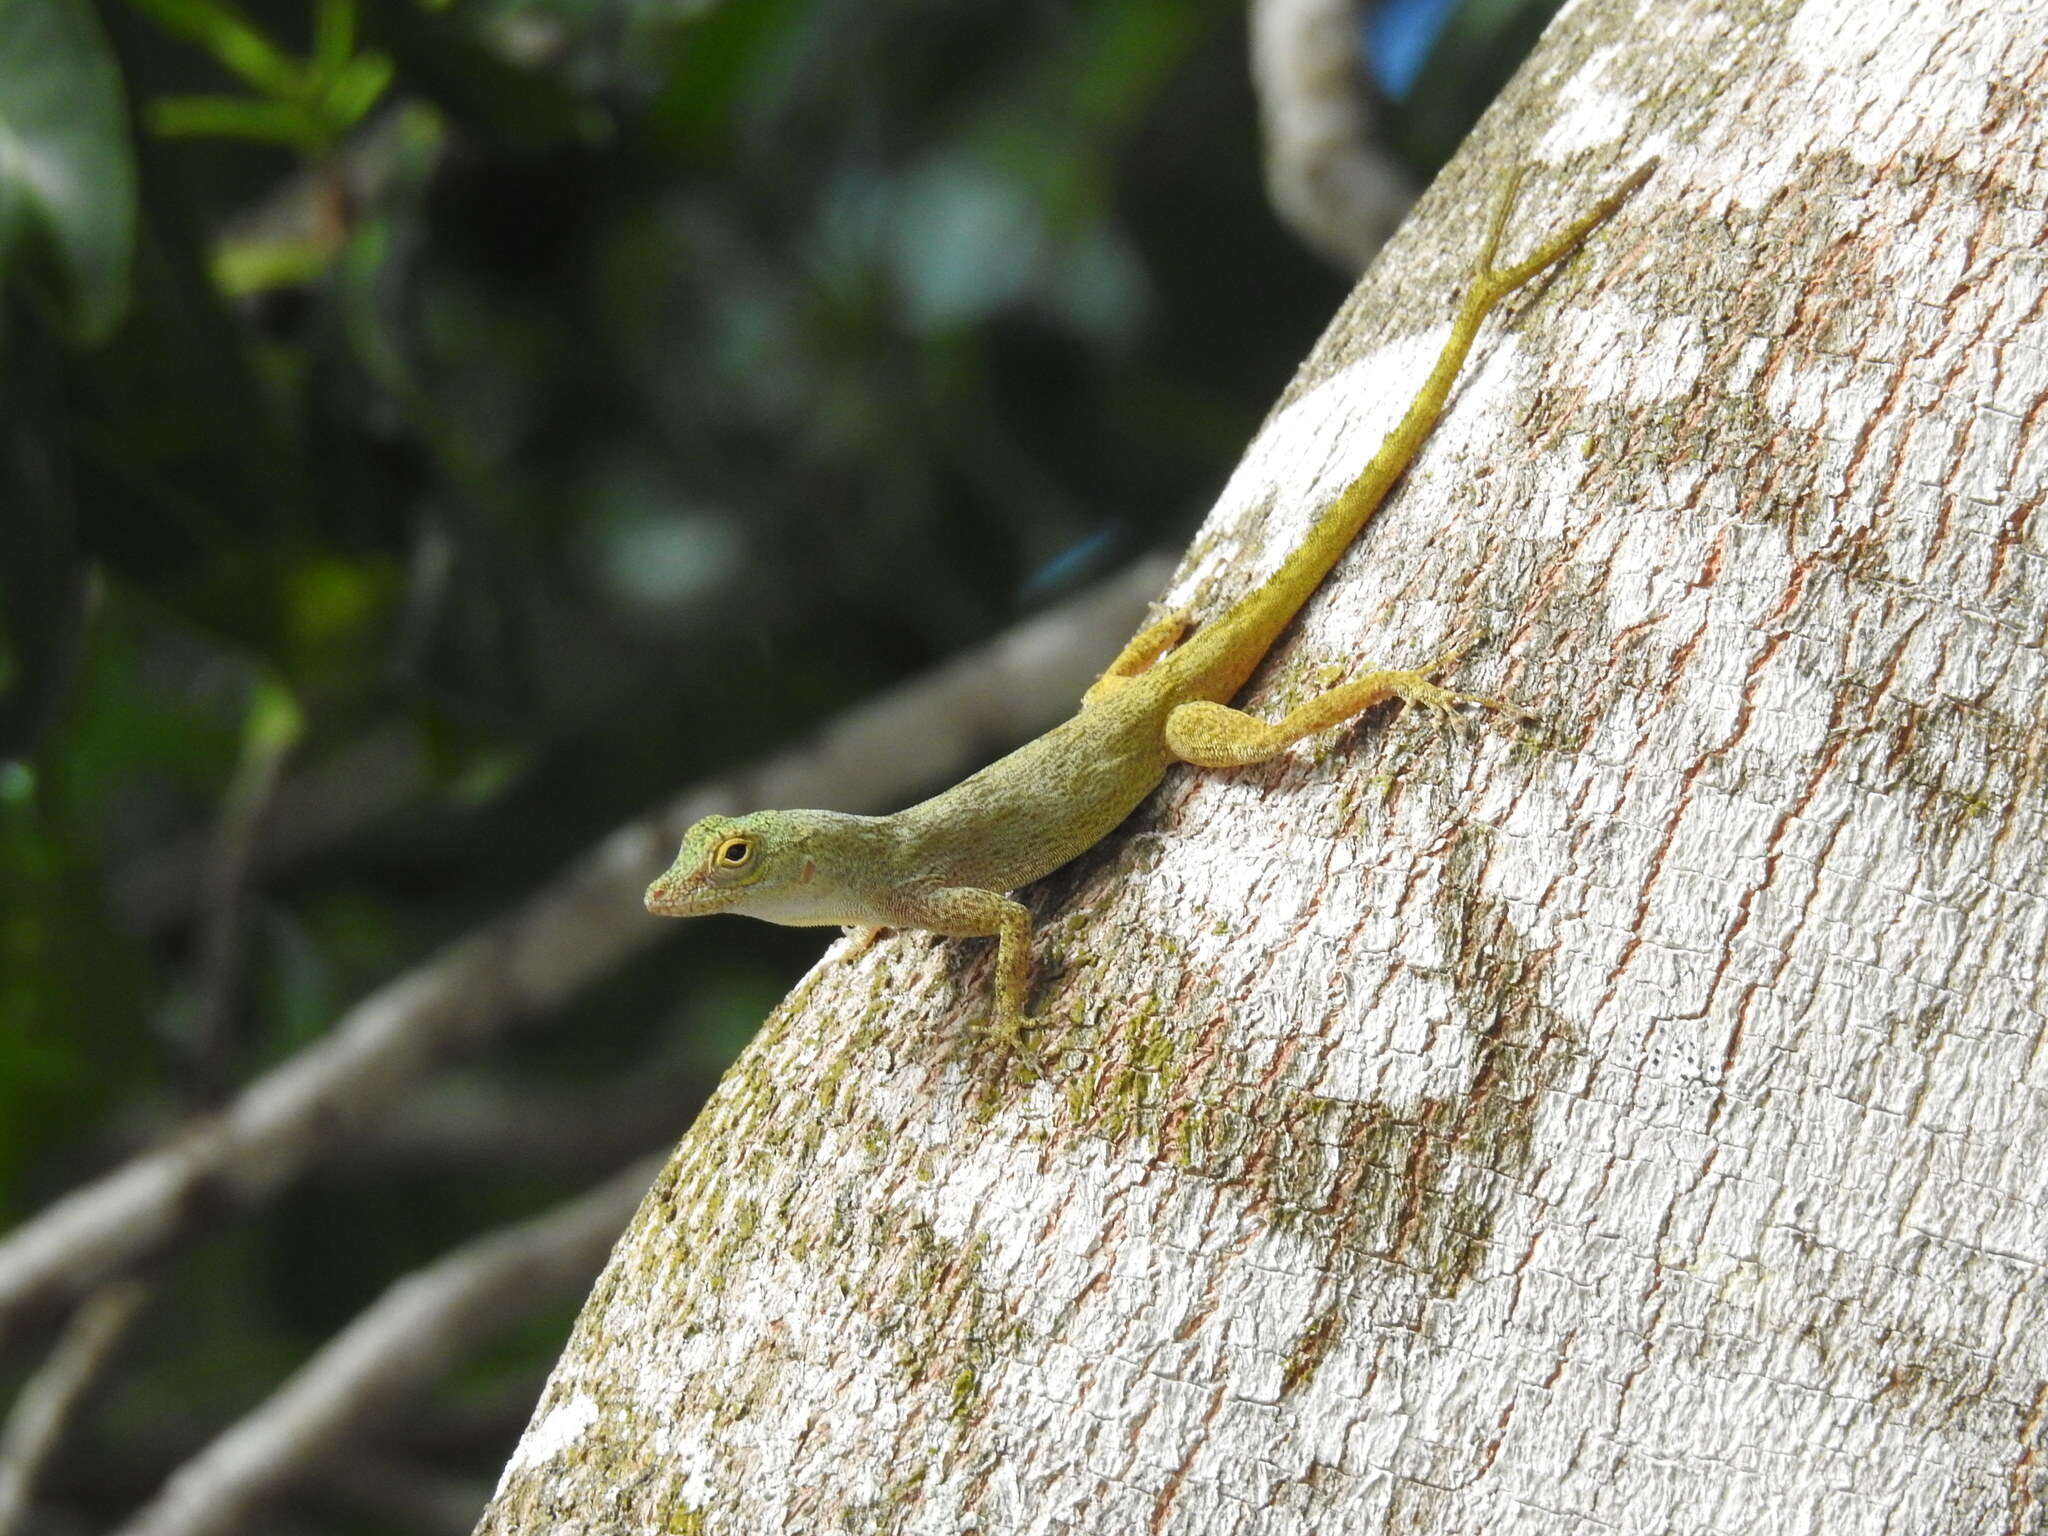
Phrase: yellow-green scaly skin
(947, 864)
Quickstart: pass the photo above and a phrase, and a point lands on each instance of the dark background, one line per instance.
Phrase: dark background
(511, 413)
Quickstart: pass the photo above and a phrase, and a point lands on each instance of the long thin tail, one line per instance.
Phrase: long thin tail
(1256, 620)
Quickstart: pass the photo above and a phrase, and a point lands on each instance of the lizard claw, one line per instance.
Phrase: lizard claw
(1416, 691)
(1006, 1037)
(1443, 703)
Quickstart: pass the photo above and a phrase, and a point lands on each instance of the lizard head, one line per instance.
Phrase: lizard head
(723, 860)
(765, 865)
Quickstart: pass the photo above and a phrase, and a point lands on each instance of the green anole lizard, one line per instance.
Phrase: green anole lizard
(947, 865)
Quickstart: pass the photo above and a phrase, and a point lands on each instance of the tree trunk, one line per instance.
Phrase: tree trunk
(1636, 1126)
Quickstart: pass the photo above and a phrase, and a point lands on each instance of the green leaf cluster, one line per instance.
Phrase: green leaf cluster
(307, 103)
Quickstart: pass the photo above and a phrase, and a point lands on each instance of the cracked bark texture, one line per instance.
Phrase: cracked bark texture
(1636, 1126)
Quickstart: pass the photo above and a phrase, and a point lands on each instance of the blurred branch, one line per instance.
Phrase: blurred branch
(313, 808)
(36, 1426)
(479, 1125)
(337, 1091)
(487, 1418)
(399, 1346)
(402, 1495)
(1325, 176)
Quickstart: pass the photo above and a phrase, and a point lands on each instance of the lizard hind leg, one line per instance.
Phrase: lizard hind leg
(1145, 648)
(1213, 735)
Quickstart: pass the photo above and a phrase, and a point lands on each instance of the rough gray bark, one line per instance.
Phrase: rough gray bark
(1634, 1128)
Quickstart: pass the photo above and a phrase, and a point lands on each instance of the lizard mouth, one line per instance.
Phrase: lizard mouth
(670, 897)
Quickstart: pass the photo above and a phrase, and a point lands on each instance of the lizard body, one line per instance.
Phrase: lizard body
(946, 865)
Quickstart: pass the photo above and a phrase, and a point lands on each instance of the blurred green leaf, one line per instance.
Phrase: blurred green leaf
(234, 42)
(355, 90)
(334, 36)
(67, 180)
(275, 722)
(237, 117)
(243, 267)
(718, 59)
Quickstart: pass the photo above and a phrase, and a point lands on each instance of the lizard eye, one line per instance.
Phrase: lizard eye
(735, 853)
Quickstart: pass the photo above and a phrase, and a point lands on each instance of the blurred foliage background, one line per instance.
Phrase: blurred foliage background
(432, 433)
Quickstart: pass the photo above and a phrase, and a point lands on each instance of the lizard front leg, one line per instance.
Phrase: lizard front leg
(968, 912)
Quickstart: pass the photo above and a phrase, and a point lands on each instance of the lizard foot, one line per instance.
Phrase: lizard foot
(1419, 688)
(1006, 1036)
